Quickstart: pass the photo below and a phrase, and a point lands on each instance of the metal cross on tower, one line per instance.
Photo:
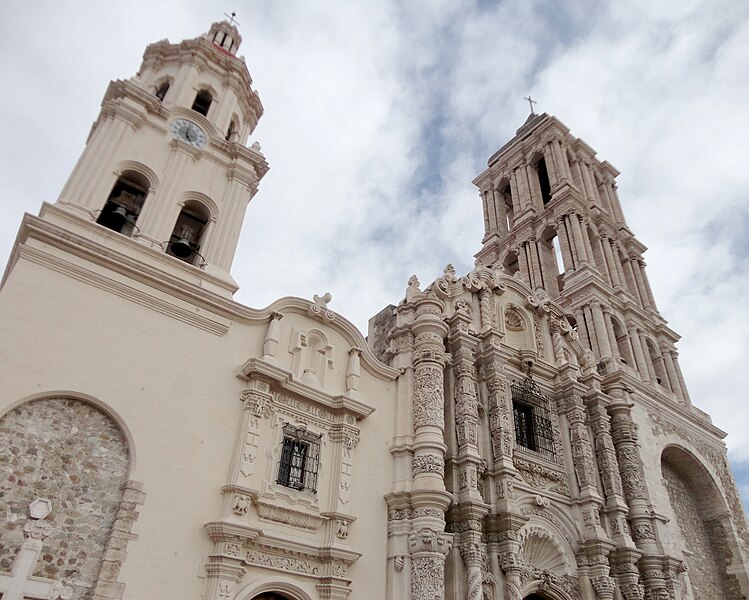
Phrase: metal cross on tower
(232, 20)
(531, 102)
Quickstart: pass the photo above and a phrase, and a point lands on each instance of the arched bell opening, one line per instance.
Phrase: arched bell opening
(162, 89)
(542, 176)
(202, 102)
(510, 263)
(124, 203)
(622, 342)
(188, 233)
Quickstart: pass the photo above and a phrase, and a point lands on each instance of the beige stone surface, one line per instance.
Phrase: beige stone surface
(520, 429)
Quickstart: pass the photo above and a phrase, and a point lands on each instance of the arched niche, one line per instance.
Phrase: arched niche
(66, 450)
(703, 523)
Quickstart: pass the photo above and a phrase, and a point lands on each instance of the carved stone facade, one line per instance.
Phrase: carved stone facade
(520, 430)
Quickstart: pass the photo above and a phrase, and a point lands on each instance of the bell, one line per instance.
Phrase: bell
(118, 217)
(181, 248)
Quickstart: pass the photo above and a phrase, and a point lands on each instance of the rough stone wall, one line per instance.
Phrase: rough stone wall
(75, 455)
(704, 573)
(379, 326)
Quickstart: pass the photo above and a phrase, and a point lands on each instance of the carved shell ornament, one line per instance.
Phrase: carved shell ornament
(513, 319)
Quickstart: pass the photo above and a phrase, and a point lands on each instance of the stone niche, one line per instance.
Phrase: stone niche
(70, 452)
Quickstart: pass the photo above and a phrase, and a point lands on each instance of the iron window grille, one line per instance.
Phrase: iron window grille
(530, 409)
(300, 459)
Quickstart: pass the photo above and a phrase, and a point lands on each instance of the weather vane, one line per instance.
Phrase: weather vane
(531, 102)
(232, 20)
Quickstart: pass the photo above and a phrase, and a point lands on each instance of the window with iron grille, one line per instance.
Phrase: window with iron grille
(300, 459)
(530, 409)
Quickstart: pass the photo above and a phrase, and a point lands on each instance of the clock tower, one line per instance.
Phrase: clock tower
(165, 170)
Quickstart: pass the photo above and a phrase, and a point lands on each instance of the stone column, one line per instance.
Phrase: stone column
(682, 384)
(519, 190)
(582, 329)
(596, 348)
(625, 438)
(630, 278)
(473, 559)
(618, 263)
(512, 568)
(641, 285)
(587, 244)
(491, 211)
(646, 284)
(428, 544)
(533, 259)
(612, 337)
(578, 235)
(570, 237)
(535, 200)
(603, 266)
(551, 167)
(485, 202)
(590, 189)
(648, 358)
(634, 338)
(613, 273)
(564, 246)
(501, 210)
(601, 332)
(523, 266)
(673, 378)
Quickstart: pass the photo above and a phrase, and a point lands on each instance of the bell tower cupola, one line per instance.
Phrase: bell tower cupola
(166, 172)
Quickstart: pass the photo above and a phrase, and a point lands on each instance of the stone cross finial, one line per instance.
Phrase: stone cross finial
(531, 102)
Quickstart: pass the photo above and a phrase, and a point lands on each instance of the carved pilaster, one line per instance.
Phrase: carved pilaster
(512, 566)
(428, 551)
(624, 435)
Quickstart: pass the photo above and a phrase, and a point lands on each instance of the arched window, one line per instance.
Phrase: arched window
(202, 102)
(188, 233)
(622, 342)
(510, 263)
(506, 194)
(162, 89)
(543, 180)
(124, 203)
(232, 133)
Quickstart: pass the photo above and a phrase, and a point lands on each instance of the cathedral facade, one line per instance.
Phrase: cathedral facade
(519, 432)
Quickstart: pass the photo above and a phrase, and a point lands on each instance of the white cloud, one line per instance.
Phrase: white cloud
(378, 115)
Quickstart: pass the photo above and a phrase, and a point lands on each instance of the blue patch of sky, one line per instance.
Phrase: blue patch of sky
(741, 473)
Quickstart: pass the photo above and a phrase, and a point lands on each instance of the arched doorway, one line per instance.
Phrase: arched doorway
(534, 597)
(270, 596)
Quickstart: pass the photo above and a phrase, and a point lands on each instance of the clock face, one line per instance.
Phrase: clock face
(188, 131)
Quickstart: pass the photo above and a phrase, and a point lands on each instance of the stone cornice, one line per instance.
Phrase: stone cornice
(286, 381)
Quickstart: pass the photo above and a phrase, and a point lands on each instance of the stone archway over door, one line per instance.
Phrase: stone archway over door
(695, 500)
(73, 454)
(270, 596)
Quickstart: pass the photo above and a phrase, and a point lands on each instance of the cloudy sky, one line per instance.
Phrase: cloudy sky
(379, 114)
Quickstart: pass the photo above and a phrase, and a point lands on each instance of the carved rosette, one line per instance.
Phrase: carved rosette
(428, 551)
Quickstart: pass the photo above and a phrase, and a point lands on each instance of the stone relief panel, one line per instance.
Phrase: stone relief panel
(70, 452)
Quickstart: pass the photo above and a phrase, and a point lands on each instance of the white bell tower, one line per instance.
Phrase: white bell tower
(165, 176)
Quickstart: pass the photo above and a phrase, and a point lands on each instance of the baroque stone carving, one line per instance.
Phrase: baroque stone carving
(286, 515)
(320, 308)
(284, 563)
(428, 397)
(429, 463)
(539, 476)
